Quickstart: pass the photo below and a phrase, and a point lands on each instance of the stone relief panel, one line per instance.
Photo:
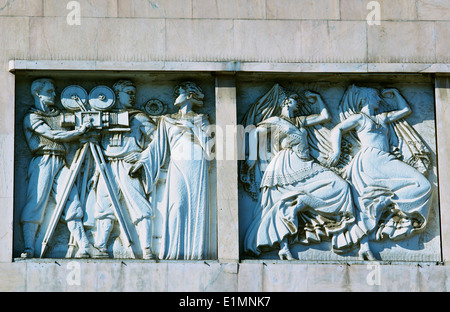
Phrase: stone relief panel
(338, 170)
(115, 168)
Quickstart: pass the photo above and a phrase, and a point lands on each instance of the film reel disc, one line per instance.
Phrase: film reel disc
(74, 97)
(102, 98)
(154, 107)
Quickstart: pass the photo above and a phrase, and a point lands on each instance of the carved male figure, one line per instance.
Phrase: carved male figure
(120, 149)
(48, 171)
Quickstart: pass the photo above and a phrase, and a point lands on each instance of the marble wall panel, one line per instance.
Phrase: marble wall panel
(402, 42)
(130, 39)
(21, 8)
(389, 10)
(51, 38)
(6, 227)
(13, 277)
(300, 41)
(199, 39)
(433, 9)
(14, 43)
(7, 159)
(442, 44)
(442, 122)
(226, 151)
(155, 8)
(198, 277)
(98, 8)
(232, 9)
(303, 10)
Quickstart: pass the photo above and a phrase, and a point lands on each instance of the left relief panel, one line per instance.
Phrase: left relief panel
(111, 165)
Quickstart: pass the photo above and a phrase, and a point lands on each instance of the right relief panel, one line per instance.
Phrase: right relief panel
(338, 168)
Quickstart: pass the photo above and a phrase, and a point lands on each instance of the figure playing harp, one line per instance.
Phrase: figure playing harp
(298, 199)
(388, 164)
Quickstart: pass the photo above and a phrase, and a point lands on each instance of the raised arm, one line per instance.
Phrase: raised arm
(323, 116)
(253, 144)
(403, 108)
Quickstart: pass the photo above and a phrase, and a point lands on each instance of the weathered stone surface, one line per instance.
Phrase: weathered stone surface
(305, 41)
(401, 42)
(188, 39)
(123, 39)
(390, 10)
(442, 45)
(433, 9)
(232, 9)
(155, 8)
(52, 38)
(273, 36)
(442, 121)
(14, 43)
(21, 8)
(99, 8)
(303, 10)
(259, 277)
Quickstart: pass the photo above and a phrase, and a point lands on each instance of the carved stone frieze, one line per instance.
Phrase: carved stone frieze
(126, 168)
(109, 190)
(345, 182)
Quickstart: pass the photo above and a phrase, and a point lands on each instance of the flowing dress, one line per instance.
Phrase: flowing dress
(392, 197)
(300, 199)
(185, 233)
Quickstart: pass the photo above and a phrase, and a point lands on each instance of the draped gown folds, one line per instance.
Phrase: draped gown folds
(393, 197)
(299, 198)
(185, 233)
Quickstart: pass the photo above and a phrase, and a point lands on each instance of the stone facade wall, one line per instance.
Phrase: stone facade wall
(222, 37)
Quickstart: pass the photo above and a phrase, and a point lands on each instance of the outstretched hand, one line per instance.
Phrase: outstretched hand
(132, 158)
(333, 159)
(85, 127)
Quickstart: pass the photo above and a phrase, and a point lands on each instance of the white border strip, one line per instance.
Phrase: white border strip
(16, 65)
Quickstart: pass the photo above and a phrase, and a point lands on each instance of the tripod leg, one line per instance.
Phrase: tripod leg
(101, 163)
(73, 173)
(72, 243)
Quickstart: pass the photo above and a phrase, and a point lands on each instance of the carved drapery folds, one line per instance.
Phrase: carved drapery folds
(103, 193)
(357, 181)
(109, 173)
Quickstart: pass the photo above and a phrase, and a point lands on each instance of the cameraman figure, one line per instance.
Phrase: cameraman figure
(48, 171)
(119, 148)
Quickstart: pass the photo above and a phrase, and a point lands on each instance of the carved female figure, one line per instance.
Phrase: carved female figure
(393, 198)
(182, 140)
(299, 200)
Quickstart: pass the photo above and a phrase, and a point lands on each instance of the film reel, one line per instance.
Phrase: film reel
(155, 107)
(74, 98)
(102, 98)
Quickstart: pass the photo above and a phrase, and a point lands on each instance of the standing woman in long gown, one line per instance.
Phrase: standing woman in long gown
(182, 139)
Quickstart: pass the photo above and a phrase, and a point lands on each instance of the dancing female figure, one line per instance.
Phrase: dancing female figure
(299, 199)
(392, 197)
